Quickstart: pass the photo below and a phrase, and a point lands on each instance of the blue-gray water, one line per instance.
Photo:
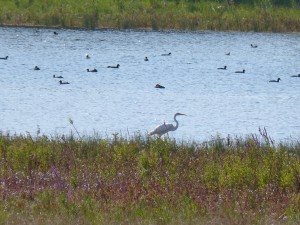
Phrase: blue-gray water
(124, 100)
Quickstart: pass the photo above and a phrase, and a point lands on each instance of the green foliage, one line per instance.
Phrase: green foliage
(148, 181)
(244, 15)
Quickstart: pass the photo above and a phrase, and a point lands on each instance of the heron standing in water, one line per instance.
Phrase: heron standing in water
(166, 127)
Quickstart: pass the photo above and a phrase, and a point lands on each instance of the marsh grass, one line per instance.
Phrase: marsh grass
(140, 180)
(245, 15)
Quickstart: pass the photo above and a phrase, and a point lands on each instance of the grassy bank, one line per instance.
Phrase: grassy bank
(242, 15)
(138, 180)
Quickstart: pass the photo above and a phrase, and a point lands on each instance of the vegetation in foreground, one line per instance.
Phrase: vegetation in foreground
(242, 15)
(141, 180)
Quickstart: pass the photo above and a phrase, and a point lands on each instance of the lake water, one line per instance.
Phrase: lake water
(124, 100)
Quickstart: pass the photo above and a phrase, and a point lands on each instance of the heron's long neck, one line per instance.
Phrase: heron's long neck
(176, 123)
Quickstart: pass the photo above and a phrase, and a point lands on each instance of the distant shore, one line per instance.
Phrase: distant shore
(153, 15)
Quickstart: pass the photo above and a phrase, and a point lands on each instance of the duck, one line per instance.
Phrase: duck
(146, 59)
(159, 86)
(243, 71)
(228, 53)
(296, 75)
(222, 68)
(55, 33)
(93, 70)
(87, 56)
(166, 54)
(36, 68)
(57, 76)
(117, 66)
(5, 58)
(253, 46)
(278, 79)
(62, 82)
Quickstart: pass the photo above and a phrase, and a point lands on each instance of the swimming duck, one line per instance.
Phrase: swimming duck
(62, 82)
(278, 79)
(166, 54)
(228, 53)
(5, 58)
(87, 56)
(55, 33)
(146, 59)
(93, 70)
(253, 46)
(296, 75)
(243, 71)
(159, 86)
(117, 66)
(57, 76)
(222, 68)
(36, 68)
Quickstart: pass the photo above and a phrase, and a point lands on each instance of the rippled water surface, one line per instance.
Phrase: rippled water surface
(125, 100)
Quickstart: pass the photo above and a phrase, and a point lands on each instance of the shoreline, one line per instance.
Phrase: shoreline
(154, 16)
(133, 29)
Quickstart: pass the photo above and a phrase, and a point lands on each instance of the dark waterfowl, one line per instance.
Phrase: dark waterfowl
(159, 86)
(146, 59)
(253, 46)
(117, 66)
(62, 82)
(93, 70)
(5, 58)
(228, 53)
(296, 75)
(55, 33)
(57, 76)
(87, 56)
(278, 79)
(243, 71)
(36, 68)
(166, 54)
(222, 68)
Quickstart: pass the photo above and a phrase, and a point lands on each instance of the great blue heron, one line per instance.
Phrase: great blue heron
(166, 127)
